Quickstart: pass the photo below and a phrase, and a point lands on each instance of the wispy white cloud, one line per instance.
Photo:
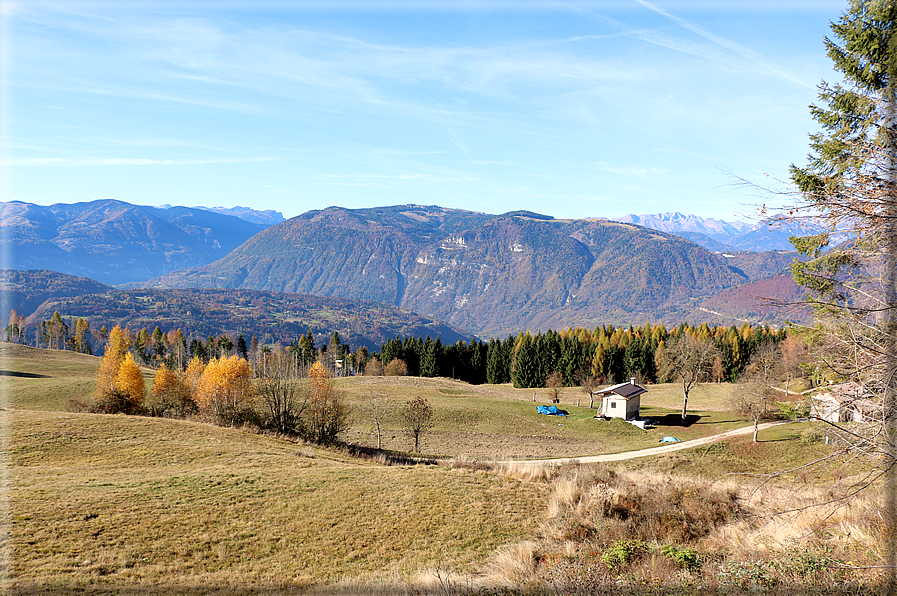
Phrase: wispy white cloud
(424, 178)
(120, 161)
(678, 44)
(739, 49)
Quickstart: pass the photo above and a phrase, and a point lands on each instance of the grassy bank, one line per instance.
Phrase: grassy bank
(118, 500)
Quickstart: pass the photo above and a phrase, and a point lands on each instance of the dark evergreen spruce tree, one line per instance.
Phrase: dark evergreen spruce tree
(525, 371)
(494, 363)
(476, 352)
(850, 183)
(391, 350)
(307, 348)
(428, 365)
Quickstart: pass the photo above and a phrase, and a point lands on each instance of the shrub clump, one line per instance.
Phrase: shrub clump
(675, 512)
(622, 553)
(686, 558)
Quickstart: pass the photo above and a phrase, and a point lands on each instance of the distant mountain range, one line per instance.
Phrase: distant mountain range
(718, 235)
(486, 274)
(115, 242)
(266, 217)
(491, 274)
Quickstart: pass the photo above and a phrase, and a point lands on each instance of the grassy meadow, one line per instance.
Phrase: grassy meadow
(118, 500)
(109, 504)
(36, 379)
(501, 422)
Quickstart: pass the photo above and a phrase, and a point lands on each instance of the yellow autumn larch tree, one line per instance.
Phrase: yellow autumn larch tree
(171, 393)
(130, 384)
(109, 397)
(225, 389)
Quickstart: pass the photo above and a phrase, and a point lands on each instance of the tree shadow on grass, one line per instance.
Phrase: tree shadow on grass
(22, 375)
(676, 420)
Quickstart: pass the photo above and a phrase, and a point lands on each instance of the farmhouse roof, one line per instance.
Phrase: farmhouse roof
(851, 395)
(626, 390)
(842, 393)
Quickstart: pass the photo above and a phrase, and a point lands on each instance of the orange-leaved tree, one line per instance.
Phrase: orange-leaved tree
(326, 415)
(171, 393)
(109, 395)
(130, 384)
(225, 389)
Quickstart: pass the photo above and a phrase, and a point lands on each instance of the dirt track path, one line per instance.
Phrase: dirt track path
(667, 448)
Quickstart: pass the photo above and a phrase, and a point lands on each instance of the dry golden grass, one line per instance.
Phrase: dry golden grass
(122, 502)
(743, 538)
(117, 504)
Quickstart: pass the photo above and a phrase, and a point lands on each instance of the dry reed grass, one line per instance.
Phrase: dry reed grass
(635, 532)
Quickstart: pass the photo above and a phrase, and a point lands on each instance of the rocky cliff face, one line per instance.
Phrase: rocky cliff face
(491, 274)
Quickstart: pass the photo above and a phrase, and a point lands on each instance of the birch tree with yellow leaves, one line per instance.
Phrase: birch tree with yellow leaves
(225, 389)
(119, 390)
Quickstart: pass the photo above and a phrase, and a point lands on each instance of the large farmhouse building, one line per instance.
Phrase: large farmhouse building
(845, 402)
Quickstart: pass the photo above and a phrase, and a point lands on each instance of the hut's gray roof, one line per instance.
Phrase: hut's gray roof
(626, 390)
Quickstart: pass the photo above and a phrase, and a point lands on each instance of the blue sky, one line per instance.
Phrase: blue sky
(574, 109)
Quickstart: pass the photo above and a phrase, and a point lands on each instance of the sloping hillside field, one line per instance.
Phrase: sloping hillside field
(114, 504)
(170, 505)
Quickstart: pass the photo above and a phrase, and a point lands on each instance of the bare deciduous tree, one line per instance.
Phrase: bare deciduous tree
(555, 385)
(417, 418)
(374, 368)
(688, 360)
(754, 401)
(588, 386)
(765, 363)
(378, 409)
(282, 394)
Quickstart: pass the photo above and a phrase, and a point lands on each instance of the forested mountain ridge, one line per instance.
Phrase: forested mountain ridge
(25, 291)
(115, 242)
(271, 316)
(490, 274)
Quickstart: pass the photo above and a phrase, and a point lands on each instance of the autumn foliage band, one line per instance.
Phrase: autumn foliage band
(604, 354)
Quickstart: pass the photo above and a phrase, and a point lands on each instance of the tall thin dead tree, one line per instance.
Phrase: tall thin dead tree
(378, 409)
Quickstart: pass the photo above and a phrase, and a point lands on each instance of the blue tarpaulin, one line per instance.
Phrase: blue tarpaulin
(550, 410)
(669, 440)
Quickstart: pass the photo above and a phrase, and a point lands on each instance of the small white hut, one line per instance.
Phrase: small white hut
(621, 401)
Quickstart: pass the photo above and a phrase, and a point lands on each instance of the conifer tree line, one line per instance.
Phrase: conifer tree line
(173, 349)
(603, 355)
